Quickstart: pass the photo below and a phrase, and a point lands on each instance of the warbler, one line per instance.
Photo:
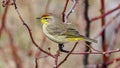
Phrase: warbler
(59, 32)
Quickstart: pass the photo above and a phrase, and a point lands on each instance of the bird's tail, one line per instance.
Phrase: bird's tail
(90, 40)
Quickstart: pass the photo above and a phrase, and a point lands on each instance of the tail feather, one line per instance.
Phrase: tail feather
(90, 40)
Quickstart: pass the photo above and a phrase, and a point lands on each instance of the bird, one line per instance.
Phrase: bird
(59, 32)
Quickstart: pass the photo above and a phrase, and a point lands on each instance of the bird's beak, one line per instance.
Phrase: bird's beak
(38, 18)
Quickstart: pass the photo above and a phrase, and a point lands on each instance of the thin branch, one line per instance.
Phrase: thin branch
(36, 62)
(66, 15)
(90, 47)
(104, 53)
(63, 13)
(107, 24)
(4, 16)
(101, 64)
(105, 14)
(16, 58)
(112, 44)
(67, 56)
(56, 58)
(112, 61)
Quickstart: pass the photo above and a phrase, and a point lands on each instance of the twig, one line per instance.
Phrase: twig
(67, 56)
(101, 64)
(106, 25)
(63, 13)
(36, 62)
(16, 58)
(112, 61)
(100, 52)
(4, 16)
(105, 14)
(111, 46)
(56, 58)
(90, 47)
(66, 15)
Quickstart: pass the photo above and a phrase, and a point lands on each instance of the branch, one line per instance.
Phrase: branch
(100, 65)
(4, 16)
(112, 44)
(36, 62)
(67, 56)
(112, 61)
(86, 11)
(66, 15)
(63, 13)
(104, 46)
(102, 52)
(106, 25)
(56, 58)
(105, 14)
(16, 58)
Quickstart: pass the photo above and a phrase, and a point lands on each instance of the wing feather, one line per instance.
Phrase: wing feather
(56, 30)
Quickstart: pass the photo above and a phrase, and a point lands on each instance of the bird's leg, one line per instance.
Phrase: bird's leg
(61, 48)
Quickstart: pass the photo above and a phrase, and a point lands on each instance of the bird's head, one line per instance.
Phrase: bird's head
(46, 19)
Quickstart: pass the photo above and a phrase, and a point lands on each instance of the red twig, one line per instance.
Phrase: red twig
(66, 15)
(105, 14)
(4, 16)
(67, 56)
(100, 52)
(107, 24)
(112, 45)
(56, 58)
(30, 33)
(63, 13)
(90, 47)
(13, 49)
(100, 65)
(107, 63)
(112, 61)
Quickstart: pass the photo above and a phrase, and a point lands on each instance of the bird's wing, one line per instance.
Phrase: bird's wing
(63, 30)
(57, 29)
(71, 33)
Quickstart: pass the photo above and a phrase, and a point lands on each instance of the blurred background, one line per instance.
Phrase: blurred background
(23, 51)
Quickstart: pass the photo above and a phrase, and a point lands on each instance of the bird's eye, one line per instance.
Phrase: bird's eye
(46, 18)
